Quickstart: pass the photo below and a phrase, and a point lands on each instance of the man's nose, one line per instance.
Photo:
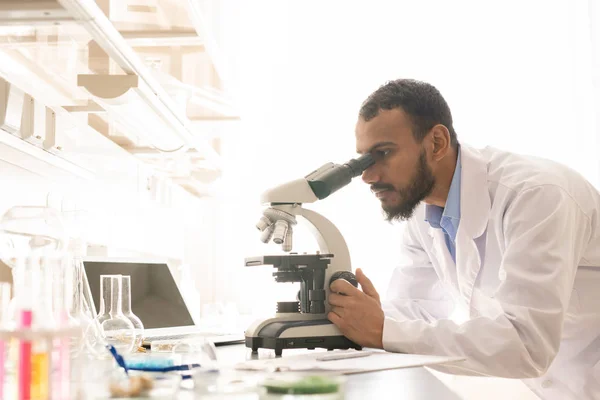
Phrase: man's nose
(370, 175)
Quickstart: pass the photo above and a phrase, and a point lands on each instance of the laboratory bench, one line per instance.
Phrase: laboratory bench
(400, 384)
(405, 384)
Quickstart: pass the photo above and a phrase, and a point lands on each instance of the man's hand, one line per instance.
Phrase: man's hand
(356, 313)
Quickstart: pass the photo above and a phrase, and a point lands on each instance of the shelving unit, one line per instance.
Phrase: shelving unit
(121, 100)
(135, 72)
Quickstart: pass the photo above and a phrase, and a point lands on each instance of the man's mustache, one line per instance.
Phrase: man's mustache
(378, 187)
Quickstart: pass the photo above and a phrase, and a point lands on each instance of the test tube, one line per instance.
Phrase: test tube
(43, 320)
(25, 291)
(5, 296)
(62, 299)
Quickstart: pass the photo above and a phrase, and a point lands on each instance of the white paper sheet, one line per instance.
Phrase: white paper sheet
(376, 360)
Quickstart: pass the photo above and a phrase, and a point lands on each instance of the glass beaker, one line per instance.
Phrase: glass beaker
(128, 312)
(116, 328)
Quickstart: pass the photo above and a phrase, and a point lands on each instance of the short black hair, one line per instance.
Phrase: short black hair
(422, 101)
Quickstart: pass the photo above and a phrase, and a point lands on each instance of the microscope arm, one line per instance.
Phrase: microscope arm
(308, 328)
(286, 204)
(297, 191)
(277, 222)
(327, 235)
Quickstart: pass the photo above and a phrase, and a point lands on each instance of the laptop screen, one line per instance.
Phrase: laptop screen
(155, 297)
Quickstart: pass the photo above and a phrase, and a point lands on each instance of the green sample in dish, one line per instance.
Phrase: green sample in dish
(306, 385)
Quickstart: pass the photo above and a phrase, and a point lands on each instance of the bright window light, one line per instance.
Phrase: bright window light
(517, 75)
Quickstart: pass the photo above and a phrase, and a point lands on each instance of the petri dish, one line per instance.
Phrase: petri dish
(289, 386)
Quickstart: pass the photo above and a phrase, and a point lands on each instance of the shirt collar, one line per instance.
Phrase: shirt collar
(435, 214)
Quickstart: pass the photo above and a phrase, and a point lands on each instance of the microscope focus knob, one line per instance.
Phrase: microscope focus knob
(346, 275)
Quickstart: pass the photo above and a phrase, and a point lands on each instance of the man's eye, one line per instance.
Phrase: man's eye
(380, 154)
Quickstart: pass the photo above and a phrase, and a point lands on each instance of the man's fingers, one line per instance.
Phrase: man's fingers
(336, 319)
(338, 300)
(343, 286)
(339, 311)
(366, 284)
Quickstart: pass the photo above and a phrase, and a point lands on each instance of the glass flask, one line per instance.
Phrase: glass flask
(116, 328)
(128, 312)
(82, 312)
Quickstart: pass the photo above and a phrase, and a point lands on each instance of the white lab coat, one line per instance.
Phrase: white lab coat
(523, 299)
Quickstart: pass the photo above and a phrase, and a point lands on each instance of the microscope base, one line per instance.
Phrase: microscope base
(280, 335)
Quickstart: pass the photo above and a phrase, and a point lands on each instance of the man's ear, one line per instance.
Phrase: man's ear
(440, 137)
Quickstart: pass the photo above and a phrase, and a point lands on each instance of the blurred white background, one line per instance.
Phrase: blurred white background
(521, 75)
(518, 75)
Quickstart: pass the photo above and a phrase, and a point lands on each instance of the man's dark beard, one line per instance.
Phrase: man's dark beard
(420, 187)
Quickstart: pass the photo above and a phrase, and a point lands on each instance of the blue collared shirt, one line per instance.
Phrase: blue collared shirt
(447, 218)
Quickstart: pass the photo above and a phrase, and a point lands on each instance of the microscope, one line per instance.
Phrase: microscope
(303, 323)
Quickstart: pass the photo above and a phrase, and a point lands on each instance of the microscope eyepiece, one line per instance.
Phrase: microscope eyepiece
(358, 165)
(331, 177)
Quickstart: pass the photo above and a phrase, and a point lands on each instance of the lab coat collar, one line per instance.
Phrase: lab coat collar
(475, 206)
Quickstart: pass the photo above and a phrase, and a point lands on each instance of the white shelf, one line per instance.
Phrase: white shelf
(34, 159)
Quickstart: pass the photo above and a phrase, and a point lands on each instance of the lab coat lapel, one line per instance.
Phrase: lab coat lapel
(445, 267)
(475, 208)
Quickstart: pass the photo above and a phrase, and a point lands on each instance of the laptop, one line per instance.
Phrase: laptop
(156, 299)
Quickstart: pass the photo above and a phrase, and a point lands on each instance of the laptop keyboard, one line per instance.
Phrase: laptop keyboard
(217, 337)
(185, 335)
